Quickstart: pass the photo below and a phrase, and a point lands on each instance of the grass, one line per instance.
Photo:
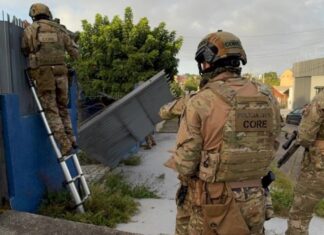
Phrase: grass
(319, 209)
(281, 193)
(132, 161)
(112, 202)
(84, 159)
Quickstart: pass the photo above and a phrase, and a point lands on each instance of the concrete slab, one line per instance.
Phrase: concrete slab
(21, 223)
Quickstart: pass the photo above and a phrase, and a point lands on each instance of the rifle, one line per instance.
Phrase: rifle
(290, 151)
(181, 196)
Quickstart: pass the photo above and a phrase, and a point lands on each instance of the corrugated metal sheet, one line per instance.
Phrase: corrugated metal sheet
(112, 133)
(13, 63)
(3, 173)
(309, 68)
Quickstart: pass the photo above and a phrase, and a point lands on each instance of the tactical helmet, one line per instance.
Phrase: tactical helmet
(39, 9)
(220, 45)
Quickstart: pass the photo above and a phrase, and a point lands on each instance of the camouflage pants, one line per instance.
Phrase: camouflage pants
(183, 218)
(308, 192)
(251, 202)
(54, 103)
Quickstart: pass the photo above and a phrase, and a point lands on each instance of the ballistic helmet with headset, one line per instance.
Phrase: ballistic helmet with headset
(39, 9)
(220, 49)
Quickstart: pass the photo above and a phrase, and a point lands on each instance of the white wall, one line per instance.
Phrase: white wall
(290, 98)
(316, 81)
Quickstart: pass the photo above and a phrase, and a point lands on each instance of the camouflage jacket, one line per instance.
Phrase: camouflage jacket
(311, 127)
(201, 125)
(173, 109)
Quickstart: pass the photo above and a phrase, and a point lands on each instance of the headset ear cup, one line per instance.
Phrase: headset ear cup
(209, 55)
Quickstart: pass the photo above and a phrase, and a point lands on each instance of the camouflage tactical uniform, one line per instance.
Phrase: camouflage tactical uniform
(201, 131)
(168, 111)
(45, 43)
(173, 109)
(309, 189)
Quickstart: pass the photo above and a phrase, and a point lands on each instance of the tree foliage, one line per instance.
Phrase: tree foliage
(117, 54)
(271, 79)
(176, 89)
(192, 83)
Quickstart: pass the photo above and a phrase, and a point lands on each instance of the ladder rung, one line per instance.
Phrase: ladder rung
(74, 179)
(85, 198)
(64, 158)
(82, 201)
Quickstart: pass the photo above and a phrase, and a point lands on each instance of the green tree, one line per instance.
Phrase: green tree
(176, 89)
(117, 54)
(271, 79)
(250, 76)
(192, 83)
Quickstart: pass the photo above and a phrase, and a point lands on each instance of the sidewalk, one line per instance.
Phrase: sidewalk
(157, 216)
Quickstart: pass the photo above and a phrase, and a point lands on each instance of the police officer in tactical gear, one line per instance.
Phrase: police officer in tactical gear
(225, 143)
(45, 42)
(309, 188)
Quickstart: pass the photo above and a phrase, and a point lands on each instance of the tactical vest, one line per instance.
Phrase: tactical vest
(320, 101)
(49, 45)
(247, 147)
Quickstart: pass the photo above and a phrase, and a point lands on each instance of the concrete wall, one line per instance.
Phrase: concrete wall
(308, 74)
(291, 98)
(316, 81)
(309, 68)
(302, 91)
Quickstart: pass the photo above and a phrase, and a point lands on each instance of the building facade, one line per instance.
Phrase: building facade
(309, 79)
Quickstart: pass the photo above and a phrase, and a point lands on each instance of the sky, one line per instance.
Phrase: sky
(275, 34)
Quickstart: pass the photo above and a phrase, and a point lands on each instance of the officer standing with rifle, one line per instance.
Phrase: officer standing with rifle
(309, 188)
(226, 126)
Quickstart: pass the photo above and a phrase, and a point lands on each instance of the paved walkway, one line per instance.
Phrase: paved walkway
(157, 216)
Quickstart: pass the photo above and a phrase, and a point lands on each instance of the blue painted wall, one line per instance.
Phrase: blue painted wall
(31, 163)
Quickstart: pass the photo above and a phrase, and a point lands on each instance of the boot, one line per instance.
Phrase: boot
(74, 142)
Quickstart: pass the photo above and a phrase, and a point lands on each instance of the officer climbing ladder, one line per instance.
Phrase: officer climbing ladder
(71, 182)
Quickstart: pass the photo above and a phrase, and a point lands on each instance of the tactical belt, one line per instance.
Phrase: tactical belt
(245, 184)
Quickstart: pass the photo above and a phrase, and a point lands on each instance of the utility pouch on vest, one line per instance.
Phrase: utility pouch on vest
(224, 218)
(32, 60)
(196, 187)
(315, 156)
(208, 166)
(59, 70)
(45, 78)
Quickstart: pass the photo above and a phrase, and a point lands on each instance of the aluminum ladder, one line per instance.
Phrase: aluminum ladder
(71, 182)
